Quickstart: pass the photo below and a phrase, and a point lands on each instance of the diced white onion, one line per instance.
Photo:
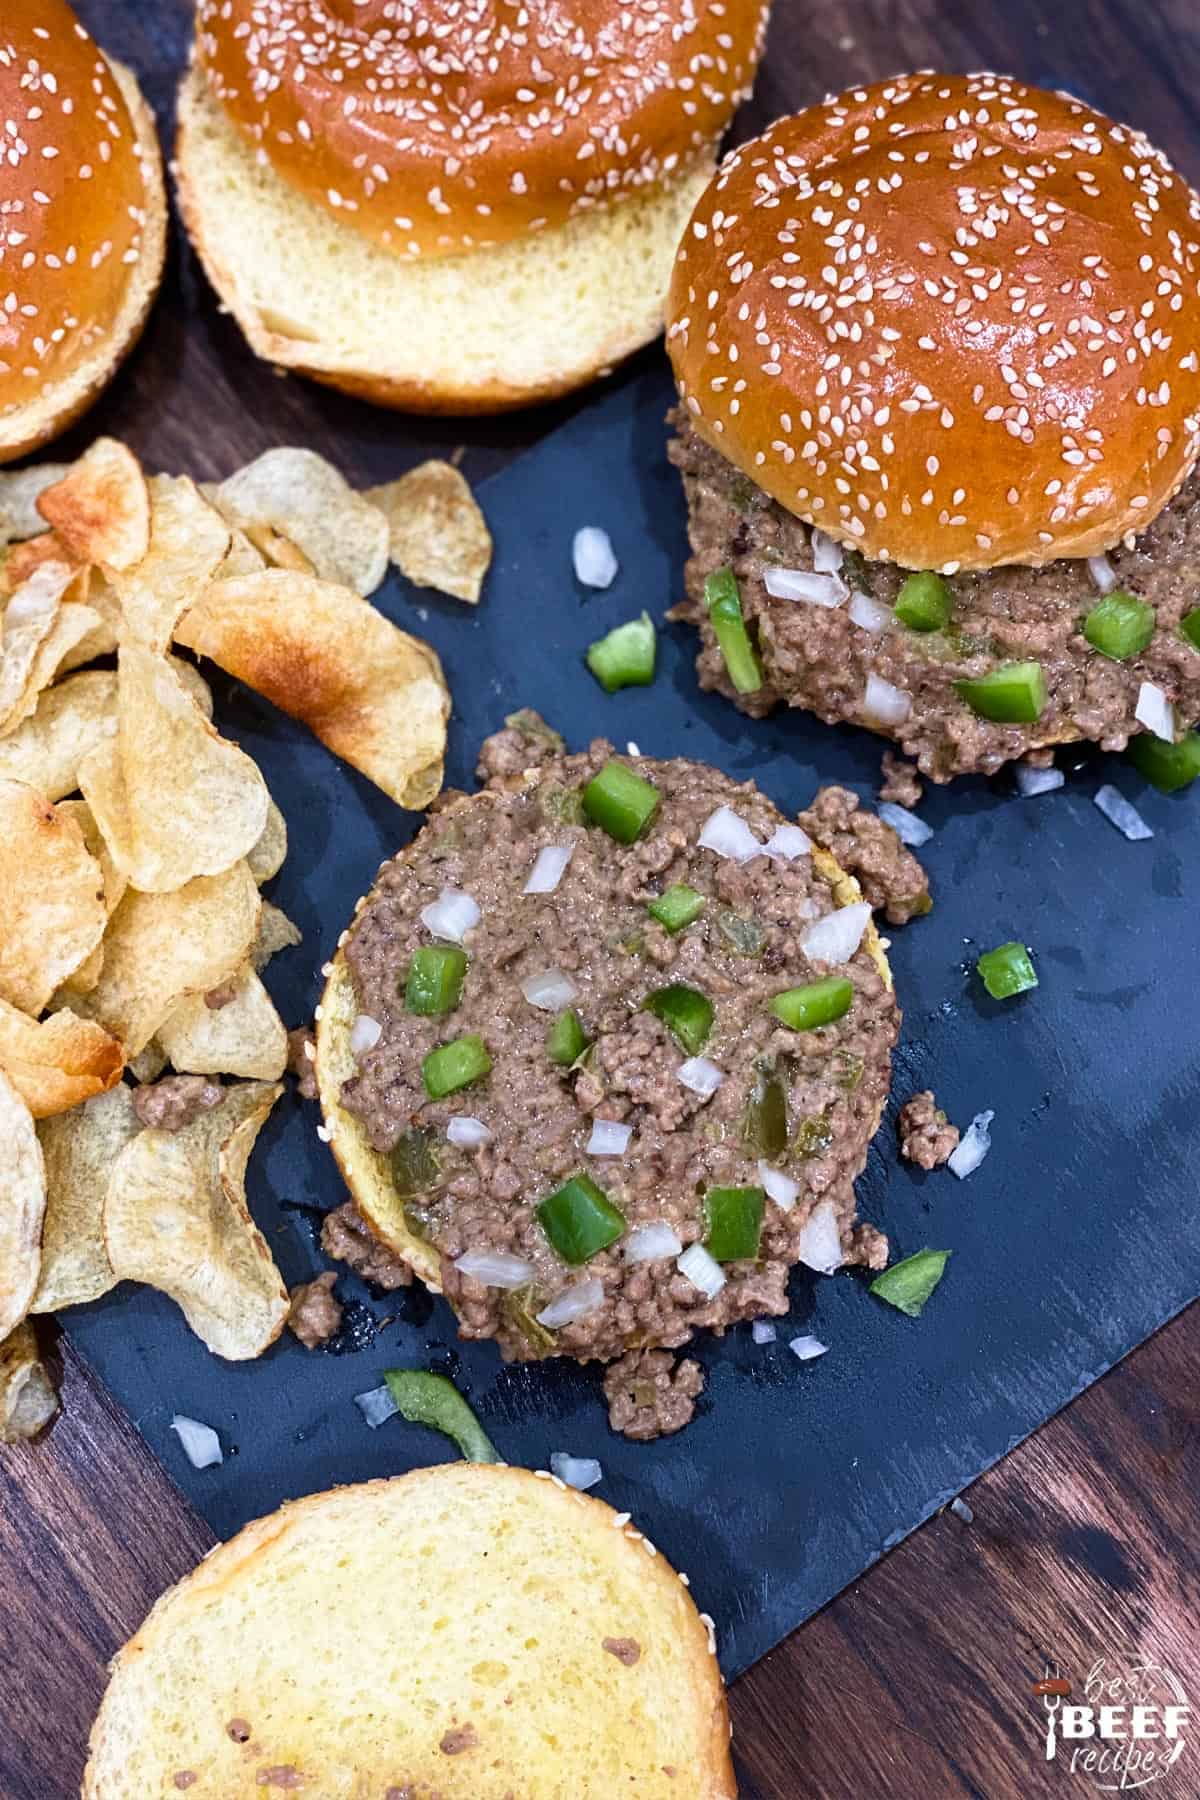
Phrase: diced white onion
(836, 937)
(763, 1331)
(650, 1242)
(1031, 781)
(365, 1033)
(549, 868)
(377, 1406)
(551, 990)
(631, 749)
(1102, 573)
(608, 1138)
(827, 555)
(573, 1303)
(788, 842)
(702, 1270)
(595, 563)
(728, 834)
(906, 825)
(807, 1347)
(451, 915)
(778, 1186)
(495, 1268)
(580, 1472)
(871, 615)
(804, 584)
(201, 1445)
(885, 704)
(1155, 712)
(701, 1076)
(1122, 813)
(820, 1245)
(974, 1145)
(467, 1133)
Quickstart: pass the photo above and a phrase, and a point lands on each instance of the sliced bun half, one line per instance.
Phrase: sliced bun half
(466, 1631)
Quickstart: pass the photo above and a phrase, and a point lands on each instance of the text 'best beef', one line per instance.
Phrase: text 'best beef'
(937, 344)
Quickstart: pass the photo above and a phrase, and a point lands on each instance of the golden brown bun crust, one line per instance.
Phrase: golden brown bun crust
(84, 218)
(437, 130)
(953, 320)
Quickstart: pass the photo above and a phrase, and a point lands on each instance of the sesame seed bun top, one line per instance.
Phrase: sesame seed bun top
(953, 320)
(437, 129)
(73, 199)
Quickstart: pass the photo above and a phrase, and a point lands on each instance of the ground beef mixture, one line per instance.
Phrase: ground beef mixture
(817, 658)
(926, 1134)
(173, 1102)
(302, 1048)
(816, 1094)
(346, 1237)
(890, 876)
(315, 1315)
(650, 1395)
(900, 784)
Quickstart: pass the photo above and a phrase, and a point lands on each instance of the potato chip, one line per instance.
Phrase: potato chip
(161, 948)
(149, 1063)
(25, 559)
(438, 537)
(28, 1401)
(101, 640)
(79, 1149)
(300, 495)
(376, 696)
(51, 897)
(83, 979)
(58, 1062)
(241, 558)
(173, 798)
(267, 856)
(73, 625)
(22, 1206)
(278, 551)
(70, 719)
(175, 1217)
(275, 932)
(100, 508)
(28, 619)
(188, 540)
(244, 1037)
(19, 490)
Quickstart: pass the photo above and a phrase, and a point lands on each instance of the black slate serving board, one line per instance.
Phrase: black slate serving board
(1076, 1238)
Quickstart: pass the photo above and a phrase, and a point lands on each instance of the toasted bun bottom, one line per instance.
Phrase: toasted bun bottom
(366, 1172)
(438, 1634)
(484, 332)
(62, 401)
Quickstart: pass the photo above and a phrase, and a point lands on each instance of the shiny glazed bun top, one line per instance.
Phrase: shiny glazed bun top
(437, 126)
(72, 197)
(953, 320)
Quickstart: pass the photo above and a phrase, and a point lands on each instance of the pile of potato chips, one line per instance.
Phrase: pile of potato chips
(134, 839)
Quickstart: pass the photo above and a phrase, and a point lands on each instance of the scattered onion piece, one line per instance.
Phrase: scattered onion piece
(804, 584)
(1031, 781)
(788, 842)
(702, 1270)
(1102, 573)
(201, 1445)
(827, 554)
(1122, 813)
(975, 1143)
(906, 825)
(1155, 712)
(573, 1303)
(495, 1268)
(451, 915)
(377, 1406)
(870, 615)
(701, 1076)
(651, 1242)
(836, 937)
(728, 834)
(763, 1331)
(551, 990)
(806, 1348)
(467, 1133)
(885, 704)
(595, 561)
(549, 868)
(777, 1186)
(365, 1033)
(580, 1472)
(820, 1243)
(608, 1138)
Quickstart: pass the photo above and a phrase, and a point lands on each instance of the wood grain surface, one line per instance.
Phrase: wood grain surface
(917, 1681)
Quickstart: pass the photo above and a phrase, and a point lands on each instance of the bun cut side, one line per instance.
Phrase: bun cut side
(442, 129)
(952, 320)
(83, 216)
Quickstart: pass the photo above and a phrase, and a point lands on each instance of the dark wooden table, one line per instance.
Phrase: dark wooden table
(1083, 1545)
